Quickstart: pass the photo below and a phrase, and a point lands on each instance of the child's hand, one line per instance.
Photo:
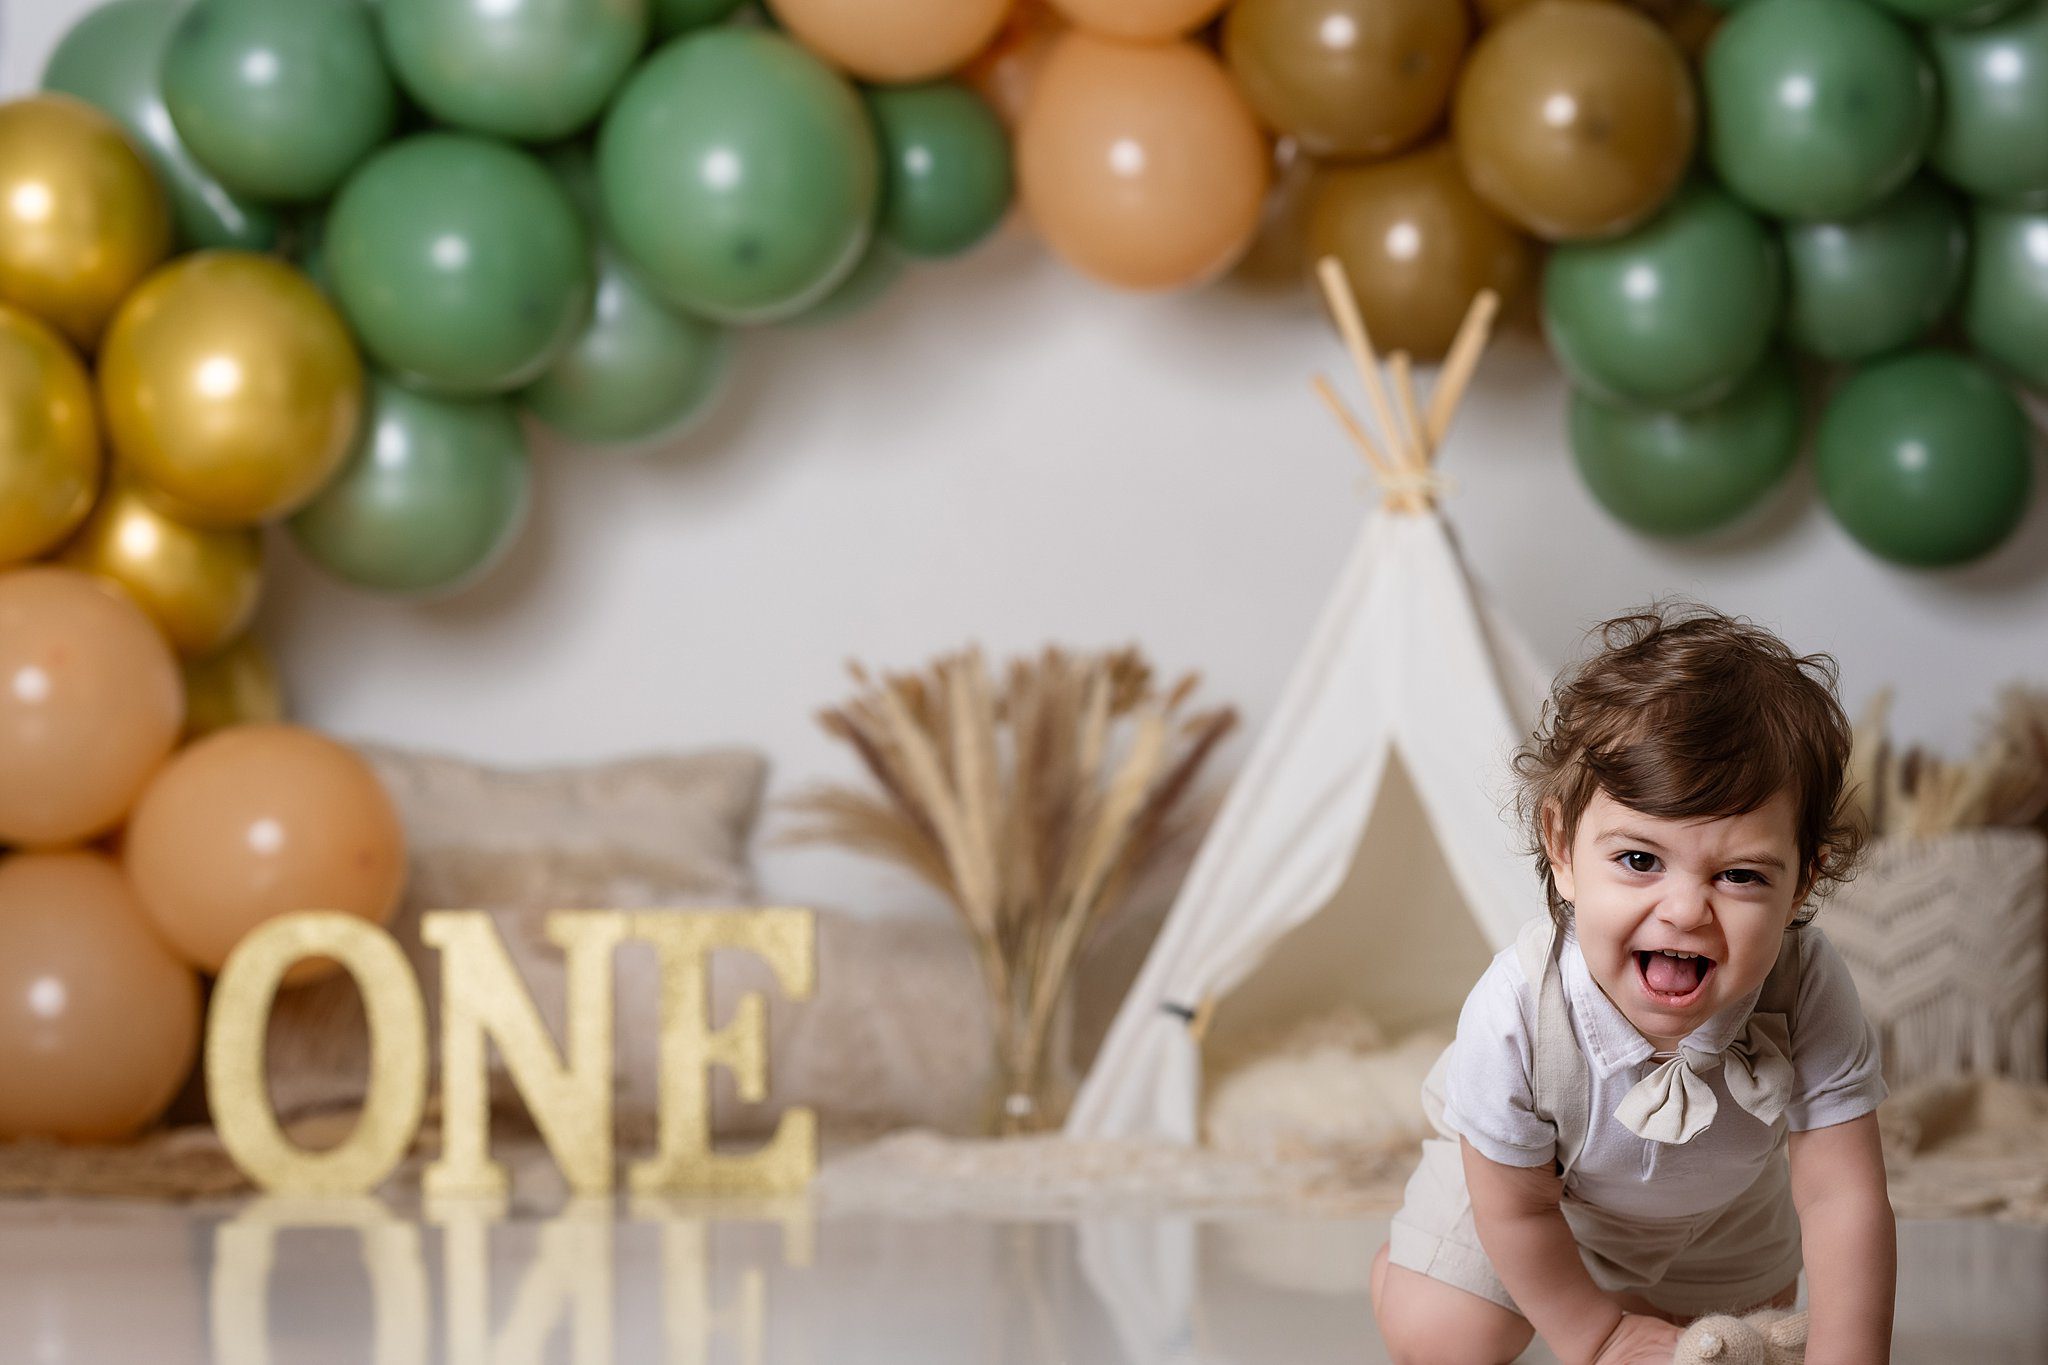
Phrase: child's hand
(1639, 1339)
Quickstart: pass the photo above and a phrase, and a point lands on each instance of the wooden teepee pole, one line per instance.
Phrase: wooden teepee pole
(1409, 411)
(1406, 446)
(1407, 460)
(1353, 428)
(1456, 374)
(1343, 307)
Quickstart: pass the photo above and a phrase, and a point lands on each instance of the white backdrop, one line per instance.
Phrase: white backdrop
(1001, 451)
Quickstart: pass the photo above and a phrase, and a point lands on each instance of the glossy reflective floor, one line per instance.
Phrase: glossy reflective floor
(356, 1282)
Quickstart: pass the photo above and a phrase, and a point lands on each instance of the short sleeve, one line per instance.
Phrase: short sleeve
(1836, 1064)
(1487, 1096)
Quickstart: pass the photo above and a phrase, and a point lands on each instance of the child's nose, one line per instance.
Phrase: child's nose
(1686, 906)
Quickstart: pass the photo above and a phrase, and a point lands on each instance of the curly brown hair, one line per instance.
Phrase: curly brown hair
(1684, 713)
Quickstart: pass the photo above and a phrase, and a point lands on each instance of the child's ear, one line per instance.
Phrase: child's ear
(1556, 850)
(1807, 879)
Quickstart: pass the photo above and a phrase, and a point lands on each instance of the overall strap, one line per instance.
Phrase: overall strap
(1780, 994)
(1559, 1083)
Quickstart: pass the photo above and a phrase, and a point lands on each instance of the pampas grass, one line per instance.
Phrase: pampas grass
(1918, 793)
(1032, 802)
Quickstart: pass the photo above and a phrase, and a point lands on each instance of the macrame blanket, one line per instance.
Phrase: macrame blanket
(1947, 938)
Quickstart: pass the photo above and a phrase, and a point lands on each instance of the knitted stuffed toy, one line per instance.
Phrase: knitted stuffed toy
(1769, 1336)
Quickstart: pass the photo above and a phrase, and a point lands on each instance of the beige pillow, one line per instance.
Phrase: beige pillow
(659, 830)
(896, 1034)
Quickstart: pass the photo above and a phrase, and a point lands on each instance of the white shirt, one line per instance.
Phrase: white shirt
(1835, 1064)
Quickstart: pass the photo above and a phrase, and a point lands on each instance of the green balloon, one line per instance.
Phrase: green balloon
(1993, 135)
(946, 166)
(1873, 284)
(306, 246)
(671, 17)
(739, 174)
(1671, 315)
(460, 262)
(110, 58)
(879, 268)
(433, 494)
(1923, 459)
(1948, 11)
(2005, 309)
(530, 69)
(279, 98)
(1683, 473)
(1816, 108)
(639, 369)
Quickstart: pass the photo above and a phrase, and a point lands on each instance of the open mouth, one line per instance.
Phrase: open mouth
(1673, 982)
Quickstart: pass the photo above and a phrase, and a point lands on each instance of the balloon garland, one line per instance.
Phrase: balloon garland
(309, 262)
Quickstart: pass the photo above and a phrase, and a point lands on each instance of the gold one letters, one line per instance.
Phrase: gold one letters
(482, 997)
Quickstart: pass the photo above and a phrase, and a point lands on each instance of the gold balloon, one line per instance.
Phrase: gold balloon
(1575, 118)
(1417, 244)
(1141, 165)
(99, 1022)
(1692, 24)
(199, 585)
(237, 686)
(1348, 78)
(49, 438)
(231, 388)
(1145, 20)
(259, 821)
(90, 704)
(893, 40)
(1277, 259)
(81, 217)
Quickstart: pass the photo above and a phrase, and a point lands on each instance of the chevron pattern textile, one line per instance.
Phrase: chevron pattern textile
(1947, 938)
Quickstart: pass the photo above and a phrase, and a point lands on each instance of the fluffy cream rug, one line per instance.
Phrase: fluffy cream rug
(1954, 1148)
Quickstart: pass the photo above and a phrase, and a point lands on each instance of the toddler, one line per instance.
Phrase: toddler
(1666, 1086)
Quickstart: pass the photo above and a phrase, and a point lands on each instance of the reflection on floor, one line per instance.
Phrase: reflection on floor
(356, 1281)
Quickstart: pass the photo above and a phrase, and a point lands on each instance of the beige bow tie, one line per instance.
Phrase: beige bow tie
(1673, 1103)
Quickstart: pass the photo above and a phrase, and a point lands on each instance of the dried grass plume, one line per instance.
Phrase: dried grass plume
(1032, 801)
(1918, 793)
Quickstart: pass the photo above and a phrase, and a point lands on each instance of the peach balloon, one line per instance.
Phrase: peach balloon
(893, 40)
(90, 704)
(1007, 70)
(99, 1020)
(1141, 165)
(258, 821)
(1145, 20)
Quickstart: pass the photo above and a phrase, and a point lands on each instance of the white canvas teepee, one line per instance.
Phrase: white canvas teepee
(1376, 793)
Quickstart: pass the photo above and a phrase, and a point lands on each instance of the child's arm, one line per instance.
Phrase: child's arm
(1522, 1229)
(1850, 1239)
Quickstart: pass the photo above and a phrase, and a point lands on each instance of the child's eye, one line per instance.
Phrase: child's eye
(1749, 877)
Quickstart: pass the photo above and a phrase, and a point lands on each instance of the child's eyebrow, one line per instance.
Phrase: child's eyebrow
(1770, 860)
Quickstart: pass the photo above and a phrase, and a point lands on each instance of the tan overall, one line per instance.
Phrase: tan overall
(1728, 1259)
